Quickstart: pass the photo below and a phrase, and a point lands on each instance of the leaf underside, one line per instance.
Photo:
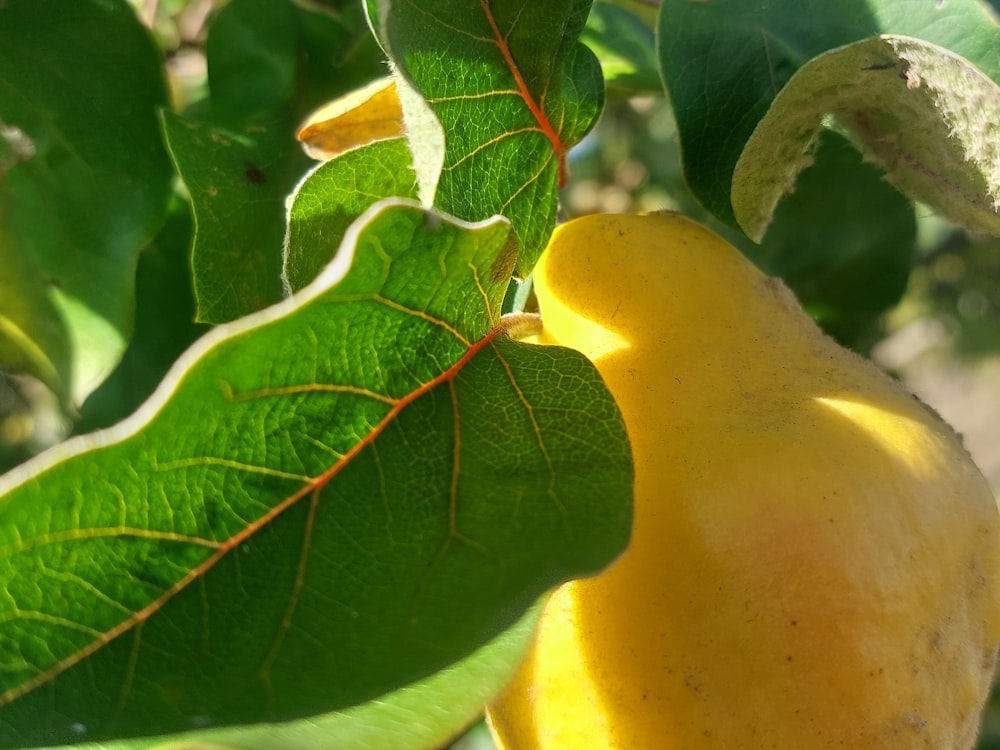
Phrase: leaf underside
(724, 62)
(925, 115)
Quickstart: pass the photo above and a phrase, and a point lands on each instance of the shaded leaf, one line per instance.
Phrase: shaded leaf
(422, 716)
(625, 47)
(512, 89)
(269, 63)
(323, 502)
(265, 56)
(164, 324)
(82, 187)
(723, 63)
(338, 52)
(251, 55)
(333, 196)
(843, 241)
(238, 182)
(924, 114)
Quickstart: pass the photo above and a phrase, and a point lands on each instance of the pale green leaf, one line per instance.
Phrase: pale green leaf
(926, 115)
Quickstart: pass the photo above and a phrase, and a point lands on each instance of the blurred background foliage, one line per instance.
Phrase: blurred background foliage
(927, 310)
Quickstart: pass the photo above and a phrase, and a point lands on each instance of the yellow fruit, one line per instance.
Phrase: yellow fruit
(815, 560)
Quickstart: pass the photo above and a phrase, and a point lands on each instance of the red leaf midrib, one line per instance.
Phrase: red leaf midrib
(533, 106)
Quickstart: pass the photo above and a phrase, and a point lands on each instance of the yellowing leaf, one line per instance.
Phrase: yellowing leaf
(364, 116)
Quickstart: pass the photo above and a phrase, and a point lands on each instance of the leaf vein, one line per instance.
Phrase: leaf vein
(228, 463)
(486, 144)
(102, 532)
(536, 429)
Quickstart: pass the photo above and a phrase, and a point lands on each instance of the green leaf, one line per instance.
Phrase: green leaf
(843, 241)
(238, 182)
(84, 183)
(324, 502)
(337, 51)
(625, 47)
(512, 89)
(724, 62)
(265, 57)
(333, 196)
(422, 716)
(251, 55)
(164, 324)
(926, 115)
(269, 64)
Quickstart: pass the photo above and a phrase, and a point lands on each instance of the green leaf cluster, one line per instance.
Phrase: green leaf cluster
(339, 504)
(346, 484)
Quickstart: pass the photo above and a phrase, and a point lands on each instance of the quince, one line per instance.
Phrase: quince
(815, 559)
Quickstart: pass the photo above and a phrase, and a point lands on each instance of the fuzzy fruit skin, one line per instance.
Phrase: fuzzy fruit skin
(815, 560)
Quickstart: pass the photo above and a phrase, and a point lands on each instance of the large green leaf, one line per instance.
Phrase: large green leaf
(724, 62)
(926, 115)
(424, 715)
(323, 502)
(84, 182)
(512, 89)
(238, 182)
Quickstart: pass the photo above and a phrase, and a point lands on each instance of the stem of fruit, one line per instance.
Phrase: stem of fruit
(520, 325)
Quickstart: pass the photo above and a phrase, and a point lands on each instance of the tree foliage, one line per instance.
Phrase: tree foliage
(328, 483)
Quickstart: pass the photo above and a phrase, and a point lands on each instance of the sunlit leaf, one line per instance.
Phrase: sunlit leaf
(333, 196)
(372, 113)
(322, 503)
(509, 88)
